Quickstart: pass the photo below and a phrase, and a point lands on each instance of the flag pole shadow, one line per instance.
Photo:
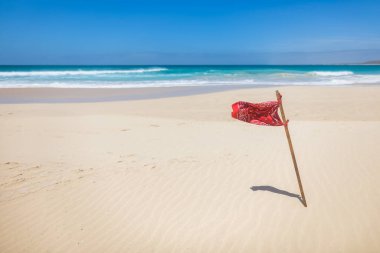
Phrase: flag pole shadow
(277, 191)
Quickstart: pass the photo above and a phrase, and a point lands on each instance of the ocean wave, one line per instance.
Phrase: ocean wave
(159, 77)
(77, 72)
(331, 73)
(332, 81)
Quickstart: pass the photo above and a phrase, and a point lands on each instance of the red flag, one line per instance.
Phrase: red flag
(260, 114)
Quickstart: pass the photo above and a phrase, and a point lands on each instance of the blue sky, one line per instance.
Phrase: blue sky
(189, 32)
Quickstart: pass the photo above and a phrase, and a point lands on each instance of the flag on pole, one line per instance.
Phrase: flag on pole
(264, 113)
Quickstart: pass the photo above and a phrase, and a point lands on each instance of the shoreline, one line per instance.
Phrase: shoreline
(32, 95)
(88, 95)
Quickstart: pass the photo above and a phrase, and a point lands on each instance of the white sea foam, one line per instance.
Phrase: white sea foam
(331, 73)
(116, 78)
(333, 81)
(77, 72)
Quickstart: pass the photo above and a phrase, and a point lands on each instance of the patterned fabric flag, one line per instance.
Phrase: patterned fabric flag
(260, 114)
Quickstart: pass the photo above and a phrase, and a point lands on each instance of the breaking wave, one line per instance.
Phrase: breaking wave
(331, 73)
(176, 76)
(77, 72)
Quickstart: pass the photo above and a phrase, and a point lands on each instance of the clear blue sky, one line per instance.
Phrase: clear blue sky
(188, 32)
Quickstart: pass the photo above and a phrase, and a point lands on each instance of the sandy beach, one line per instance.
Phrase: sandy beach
(178, 174)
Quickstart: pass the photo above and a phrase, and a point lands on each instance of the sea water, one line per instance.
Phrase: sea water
(174, 76)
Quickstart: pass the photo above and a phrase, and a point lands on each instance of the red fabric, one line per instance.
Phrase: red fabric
(260, 114)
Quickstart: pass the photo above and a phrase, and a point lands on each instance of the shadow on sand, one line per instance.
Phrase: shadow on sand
(275, 190)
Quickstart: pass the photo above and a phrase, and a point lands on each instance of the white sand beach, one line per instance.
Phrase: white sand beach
(179, 174)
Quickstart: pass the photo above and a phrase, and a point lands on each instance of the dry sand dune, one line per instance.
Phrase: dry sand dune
(179, 175)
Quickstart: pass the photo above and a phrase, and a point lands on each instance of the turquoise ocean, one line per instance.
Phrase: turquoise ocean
(174, 76)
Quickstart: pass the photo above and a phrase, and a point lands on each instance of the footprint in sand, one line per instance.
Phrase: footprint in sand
(18, 175)
(12, 165)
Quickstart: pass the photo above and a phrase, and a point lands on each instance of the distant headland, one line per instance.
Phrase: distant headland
(372, 62)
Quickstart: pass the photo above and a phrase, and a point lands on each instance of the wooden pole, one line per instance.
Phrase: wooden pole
(291, 147)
